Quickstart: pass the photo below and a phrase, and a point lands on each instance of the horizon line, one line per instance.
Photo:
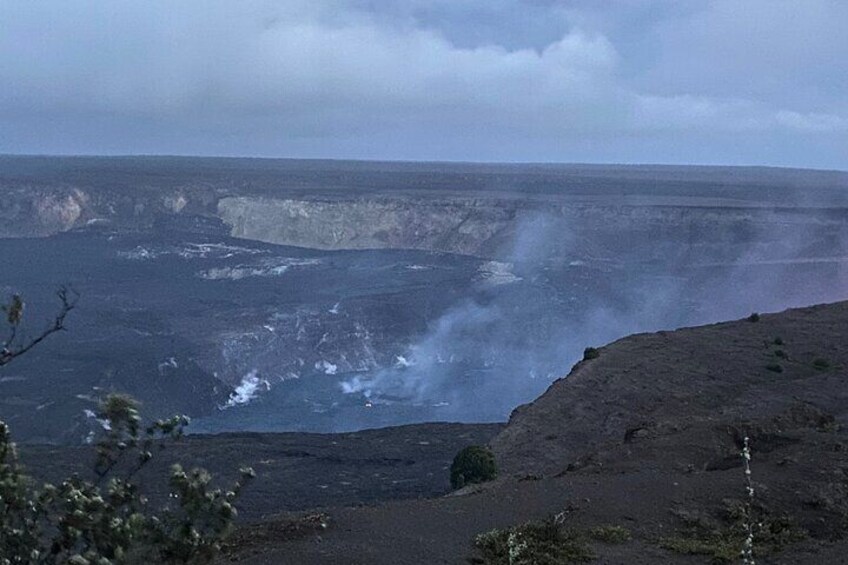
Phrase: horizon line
(415, 161)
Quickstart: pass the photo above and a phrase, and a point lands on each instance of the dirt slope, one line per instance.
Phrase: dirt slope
(681, 398)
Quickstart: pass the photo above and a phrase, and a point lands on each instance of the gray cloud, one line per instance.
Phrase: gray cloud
(754, 82)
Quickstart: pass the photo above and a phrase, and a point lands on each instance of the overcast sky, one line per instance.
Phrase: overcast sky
(658, 81)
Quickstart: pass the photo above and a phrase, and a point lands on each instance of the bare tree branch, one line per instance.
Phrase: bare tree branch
(13, 347)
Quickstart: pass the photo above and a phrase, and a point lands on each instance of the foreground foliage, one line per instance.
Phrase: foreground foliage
(108, 519)
(722, 541)
(610, 534)
(544, 542)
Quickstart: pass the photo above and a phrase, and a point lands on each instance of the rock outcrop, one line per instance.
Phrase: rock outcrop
(467, 226)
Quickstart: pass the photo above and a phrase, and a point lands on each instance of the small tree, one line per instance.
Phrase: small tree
(15, 345)
(473, 464)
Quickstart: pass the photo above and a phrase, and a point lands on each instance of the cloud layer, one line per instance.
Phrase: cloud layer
(725, 82)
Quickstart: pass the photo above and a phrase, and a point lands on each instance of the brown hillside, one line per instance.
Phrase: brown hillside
(682, 399)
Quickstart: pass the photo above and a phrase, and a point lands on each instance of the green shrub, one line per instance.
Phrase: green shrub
(778, 341)
(722, 542)
(774, 367)
(821, 364)
(534, 543)
(754, 317)
(474, 464)
(591, 353)
(610, 534)
(721, 547)
(780, 353)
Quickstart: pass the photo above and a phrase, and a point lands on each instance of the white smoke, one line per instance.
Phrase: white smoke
(489, 353)
(247, 390)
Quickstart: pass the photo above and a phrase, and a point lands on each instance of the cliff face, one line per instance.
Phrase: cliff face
(34, 212)
(484, 226)
(635, 213)
(494, 227)
(467, 226)
(43, 210)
